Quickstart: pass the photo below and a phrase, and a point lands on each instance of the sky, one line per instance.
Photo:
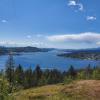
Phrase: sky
(70, 24)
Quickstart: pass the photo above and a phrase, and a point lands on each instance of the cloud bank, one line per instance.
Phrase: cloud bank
(87, 37)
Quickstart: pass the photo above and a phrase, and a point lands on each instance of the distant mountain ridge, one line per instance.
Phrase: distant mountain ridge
(6, 50)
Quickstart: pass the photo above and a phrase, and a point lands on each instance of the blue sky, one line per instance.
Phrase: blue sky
(50, 23)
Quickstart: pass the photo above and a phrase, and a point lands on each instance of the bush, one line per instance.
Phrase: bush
(67, 80)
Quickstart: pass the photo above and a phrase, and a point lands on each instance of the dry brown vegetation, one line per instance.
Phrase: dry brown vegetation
(77, 90)
(85, 89)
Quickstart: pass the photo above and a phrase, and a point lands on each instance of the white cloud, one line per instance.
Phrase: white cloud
(98, 43)
(3, 21)
(87, 37)
(81, 6)
(75, 4)
(91, 18)
(72, 3)
(2, 42)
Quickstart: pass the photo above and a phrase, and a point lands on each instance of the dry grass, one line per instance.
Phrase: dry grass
(85, 89)
(77, 90)
(39, 92)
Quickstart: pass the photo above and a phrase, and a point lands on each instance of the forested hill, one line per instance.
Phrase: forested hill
(6, 50)
(90, 54)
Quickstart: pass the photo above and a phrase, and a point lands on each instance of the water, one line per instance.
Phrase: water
(47, 60)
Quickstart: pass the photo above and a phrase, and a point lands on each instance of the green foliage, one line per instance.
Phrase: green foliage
(9, 72)
(88, 72)
(3, 90)
(37, 74)
(81, 74)
(71, 73)
(67, 80)
(19, 75)
(28, 78)
(16, 78)
(96, 73)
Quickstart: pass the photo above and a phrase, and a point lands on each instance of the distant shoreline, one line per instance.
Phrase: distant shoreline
(82, 55)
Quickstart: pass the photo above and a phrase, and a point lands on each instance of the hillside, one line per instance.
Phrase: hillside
(15, 50)
(77, 90)
(89, 54)
(93, 55)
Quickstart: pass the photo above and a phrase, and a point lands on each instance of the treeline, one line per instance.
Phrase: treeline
(16, 78)
(29, 78)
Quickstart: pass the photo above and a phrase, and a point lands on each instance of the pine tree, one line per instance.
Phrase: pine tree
(9, 72)
(88, 72)
(4, 88)
(37, 75)
(71, 72)
(28, 78)
(81, 74)
(19, 75)
(54, 76)
(96, 73)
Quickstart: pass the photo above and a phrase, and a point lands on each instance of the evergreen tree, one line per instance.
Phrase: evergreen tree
(9, 72)
(19, 75)
(88, 72)
(96, 73)
(37, 75)
(81, 74)
(71, 72)
(54, 76)
(28, 78)
(45, 76)
(4, 88)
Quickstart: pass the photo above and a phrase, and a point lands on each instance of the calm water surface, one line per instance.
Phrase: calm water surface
(47, 60)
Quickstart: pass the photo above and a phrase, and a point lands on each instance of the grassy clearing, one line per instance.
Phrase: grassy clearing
(77, 90)
(39, 92)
